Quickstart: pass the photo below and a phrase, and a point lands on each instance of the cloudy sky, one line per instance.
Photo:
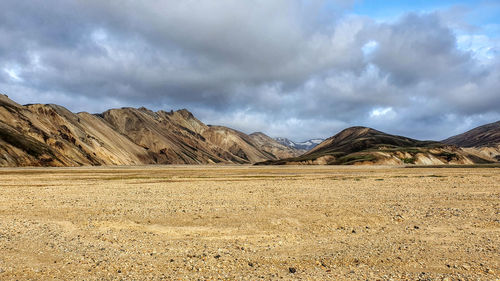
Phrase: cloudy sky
(294, 68)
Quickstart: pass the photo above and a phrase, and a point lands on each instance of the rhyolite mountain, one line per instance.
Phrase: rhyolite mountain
(51, 135)
(482, 141)
(305, 145)
(362, 145)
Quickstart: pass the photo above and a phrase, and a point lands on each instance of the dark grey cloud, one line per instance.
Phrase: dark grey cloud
(419, 48)
(298, 69)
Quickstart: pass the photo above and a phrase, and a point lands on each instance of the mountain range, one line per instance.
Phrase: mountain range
(362, 145)
(305, 145)
(51, 135)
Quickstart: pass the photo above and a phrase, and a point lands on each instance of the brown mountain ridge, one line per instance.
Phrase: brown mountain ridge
(51, 135)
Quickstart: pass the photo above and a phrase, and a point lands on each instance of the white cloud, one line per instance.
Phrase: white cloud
(13, 74)
(382, 112)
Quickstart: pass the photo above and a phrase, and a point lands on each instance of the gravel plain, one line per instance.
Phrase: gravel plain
(249, 223)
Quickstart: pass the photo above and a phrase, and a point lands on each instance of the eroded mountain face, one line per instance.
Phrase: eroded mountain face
(272, 146)
(50, 135)
(483, 141)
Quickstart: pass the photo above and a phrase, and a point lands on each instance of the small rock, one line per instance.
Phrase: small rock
(250, 264)
(416, 227)
(217, 256)
(292, 269)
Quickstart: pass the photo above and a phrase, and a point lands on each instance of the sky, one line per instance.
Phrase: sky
(299, 69)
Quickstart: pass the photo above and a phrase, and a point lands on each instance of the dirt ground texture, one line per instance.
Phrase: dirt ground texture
(249, 223)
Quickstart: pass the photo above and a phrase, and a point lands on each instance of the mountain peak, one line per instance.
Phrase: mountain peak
(358, 130)
(355, 132)
(305, 145)
(261, 134)
(185, 113)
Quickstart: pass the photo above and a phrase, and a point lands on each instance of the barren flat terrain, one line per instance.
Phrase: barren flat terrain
(247, 222)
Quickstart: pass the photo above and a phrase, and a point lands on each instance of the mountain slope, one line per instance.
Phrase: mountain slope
(483, 141)
(361, 145)
(272, 146)
(486, 135)
(167, 142)
(237, 143)
(179, 138)
(50, 135)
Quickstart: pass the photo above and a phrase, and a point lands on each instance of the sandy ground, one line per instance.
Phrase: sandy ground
(249, 223)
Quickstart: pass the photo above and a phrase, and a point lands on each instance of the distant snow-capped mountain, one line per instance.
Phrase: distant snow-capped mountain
(286, 142)
(305, 145)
